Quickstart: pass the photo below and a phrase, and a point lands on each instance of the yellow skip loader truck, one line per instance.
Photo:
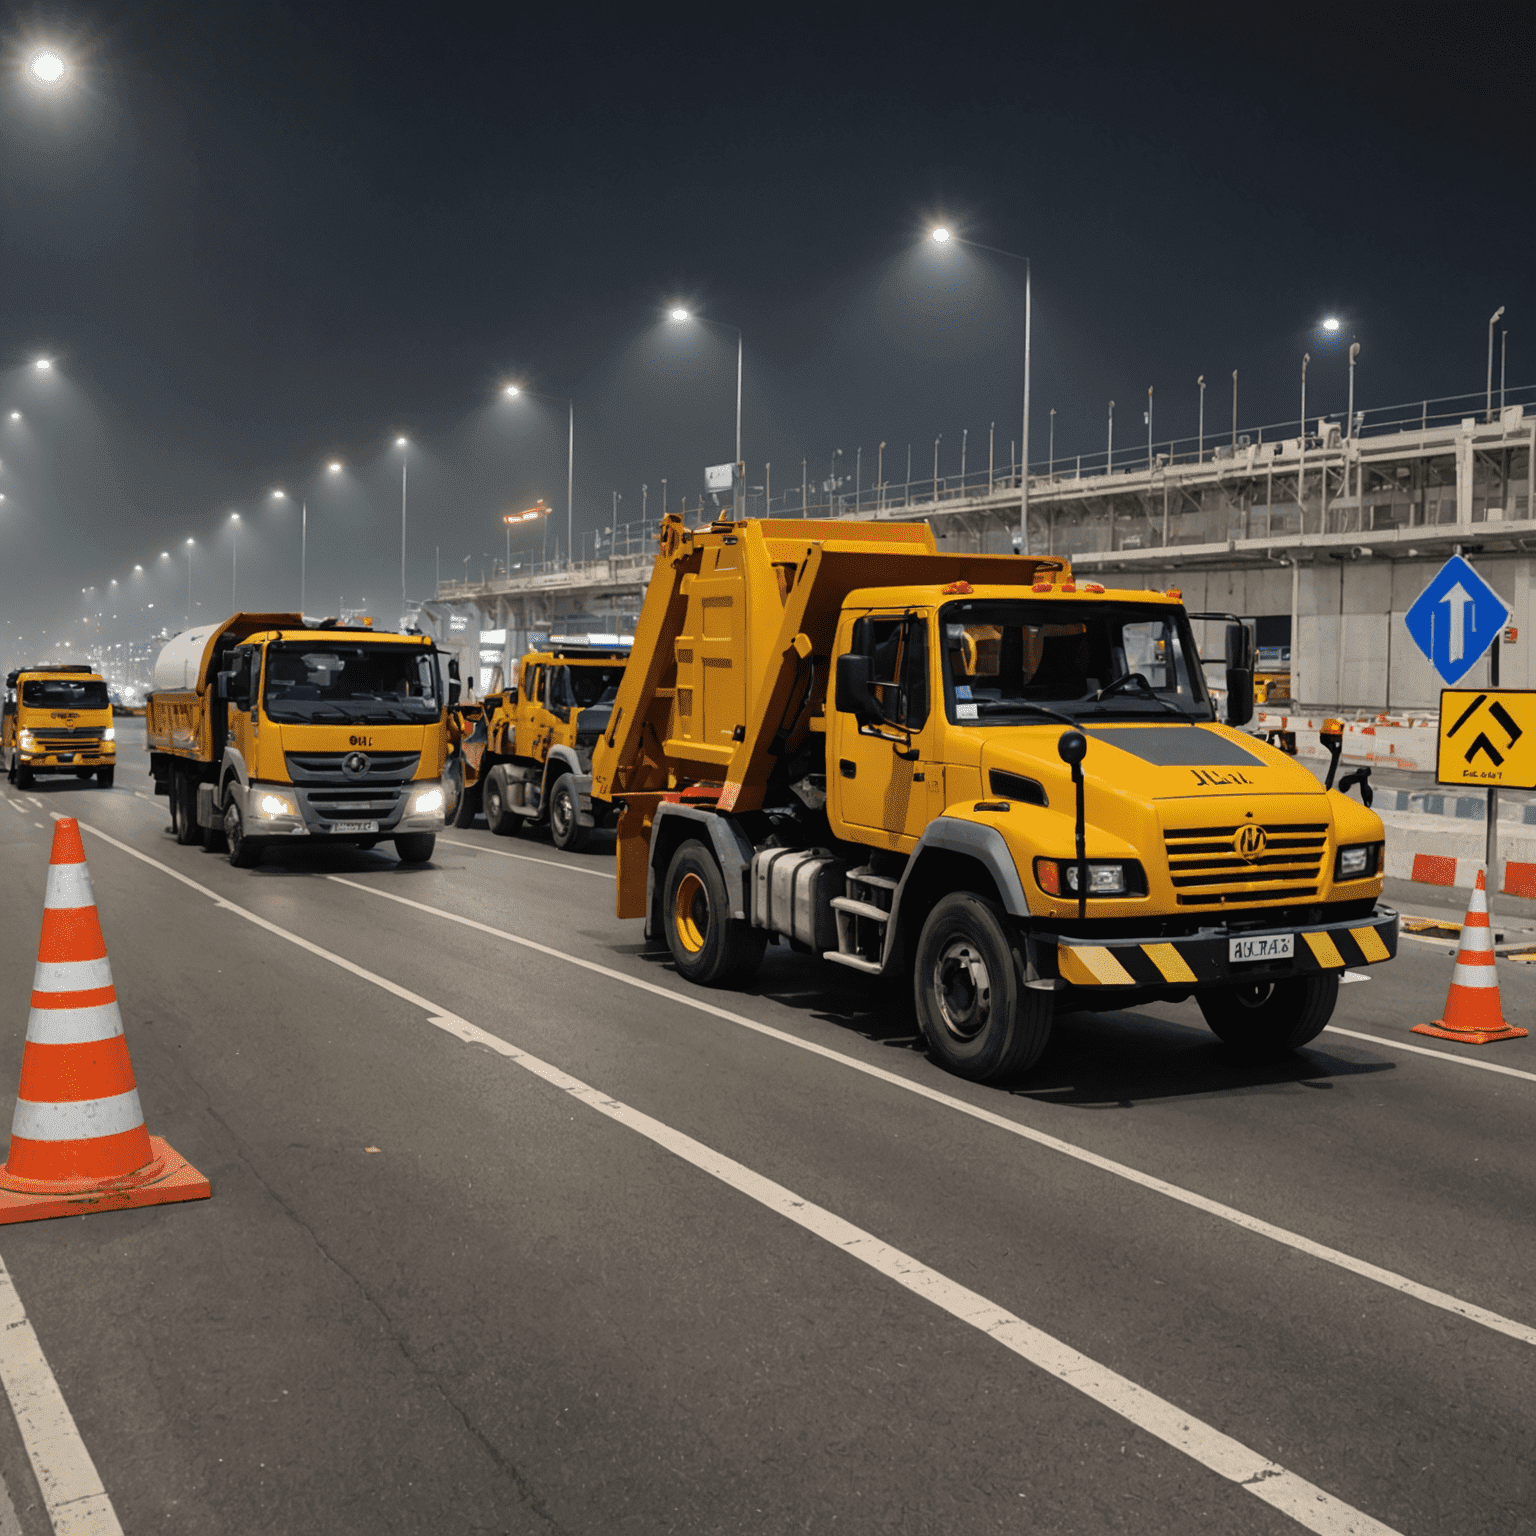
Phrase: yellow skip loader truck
(57, 719)
(264, 729)
(978, 773)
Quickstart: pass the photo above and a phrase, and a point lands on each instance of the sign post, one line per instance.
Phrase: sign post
(1453, 621)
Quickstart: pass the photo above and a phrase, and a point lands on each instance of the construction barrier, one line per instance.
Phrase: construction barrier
(1473, 1012)
(78, 1138)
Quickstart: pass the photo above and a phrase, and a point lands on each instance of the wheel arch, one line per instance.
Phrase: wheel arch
(672, 826)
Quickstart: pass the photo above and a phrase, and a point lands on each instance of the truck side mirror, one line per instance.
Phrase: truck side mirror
(454, 689)
(1239, 674)
(853, 695)
(223, 685)
(453, 668)
(1240, 647)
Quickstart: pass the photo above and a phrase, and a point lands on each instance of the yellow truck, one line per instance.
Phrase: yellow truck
(57, 719)
(263, 729)
(977, 773)
(540, 734)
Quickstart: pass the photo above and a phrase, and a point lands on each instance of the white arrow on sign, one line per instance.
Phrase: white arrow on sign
(1458, 597)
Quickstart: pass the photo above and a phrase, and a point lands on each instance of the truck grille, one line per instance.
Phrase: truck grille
(384, 768)
(1208, 871)
(383, 805)
(68, 733)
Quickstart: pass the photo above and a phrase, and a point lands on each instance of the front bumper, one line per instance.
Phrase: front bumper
(85, 757)
(387, 815)
(1204, 959)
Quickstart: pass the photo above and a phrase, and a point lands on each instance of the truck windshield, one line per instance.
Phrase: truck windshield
(1002, 657)
(363, 684)
(582, 687)
(64, 693)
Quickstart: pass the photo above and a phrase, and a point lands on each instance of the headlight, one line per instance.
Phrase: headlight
(1058, 877)
(1357, 862)
(26, 740)
(110, 734)
(426, 802)
(277, 805)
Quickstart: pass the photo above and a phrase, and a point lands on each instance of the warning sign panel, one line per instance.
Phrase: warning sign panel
(1488, 737)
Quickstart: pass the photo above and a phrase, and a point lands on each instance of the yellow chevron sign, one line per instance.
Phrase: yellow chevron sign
(1488, 737)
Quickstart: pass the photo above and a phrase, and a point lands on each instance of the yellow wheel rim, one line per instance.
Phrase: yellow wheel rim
(690, 913)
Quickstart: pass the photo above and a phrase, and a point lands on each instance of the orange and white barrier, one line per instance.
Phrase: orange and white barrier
(1473, 1013)
(78, 1138)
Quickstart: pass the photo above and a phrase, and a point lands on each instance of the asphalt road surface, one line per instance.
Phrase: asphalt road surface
(514, 1231)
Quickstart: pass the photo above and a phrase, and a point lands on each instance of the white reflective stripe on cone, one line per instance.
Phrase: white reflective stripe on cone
(79, 1120)
(71, 975)
(1474, 976)
(74, 1026)
(69, 885)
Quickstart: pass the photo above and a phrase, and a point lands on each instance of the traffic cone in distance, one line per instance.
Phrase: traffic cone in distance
(78, 1139)
(1472, 1010)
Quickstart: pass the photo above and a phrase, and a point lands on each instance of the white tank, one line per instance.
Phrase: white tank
(178, 663)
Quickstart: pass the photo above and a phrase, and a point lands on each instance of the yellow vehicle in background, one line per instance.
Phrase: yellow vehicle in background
(539, 738)
(971, 771)
(264, 729)
(57, 719)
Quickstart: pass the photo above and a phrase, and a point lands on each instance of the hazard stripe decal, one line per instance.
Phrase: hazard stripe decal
(1093, 965)
(1370, 944)
(1169, 962)
(1326, 951)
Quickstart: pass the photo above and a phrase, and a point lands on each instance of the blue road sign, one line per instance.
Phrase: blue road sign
(1455, 619)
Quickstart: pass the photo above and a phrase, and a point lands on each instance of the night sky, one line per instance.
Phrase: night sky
(258, 236)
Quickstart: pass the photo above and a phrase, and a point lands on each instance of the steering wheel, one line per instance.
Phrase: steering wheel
(1128, 680)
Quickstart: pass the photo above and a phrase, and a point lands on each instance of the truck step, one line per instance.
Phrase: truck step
(853, 962)
(860, 909)
(877, 882)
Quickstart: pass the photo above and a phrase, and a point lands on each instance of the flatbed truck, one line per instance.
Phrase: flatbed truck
(1005, 788)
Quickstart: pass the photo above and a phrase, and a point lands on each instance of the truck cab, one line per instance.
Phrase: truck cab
(1011, 786)
(539, 739)
(57, 720)
(264, 730)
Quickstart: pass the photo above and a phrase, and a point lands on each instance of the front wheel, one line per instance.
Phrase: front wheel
(469, 806)
(709, 945)
(978, 1017)
(499, 815)
(187, 830)
(415, 847)
(1266, 1019)
(104, 777)
(23, 776)
(244, 852)
(453, 789)
(565, 828)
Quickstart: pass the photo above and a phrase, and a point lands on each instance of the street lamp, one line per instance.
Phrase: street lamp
(15, 415)
(1306, 357)
(47, 67)
(942, 236)
(189, 580)
(1354, 352)
(43, 364)
(570, 461)
(1493, 321)
(532, 514)
(403, 444)
(1200, 441)
(1331, 324)
(234, 561)
(282, 495)
(334, 467)
(683, 314)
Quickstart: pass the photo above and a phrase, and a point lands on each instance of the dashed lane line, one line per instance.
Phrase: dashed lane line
(1401, 1283)
(506, 853)
(1424, 1050)
(1292, 1495)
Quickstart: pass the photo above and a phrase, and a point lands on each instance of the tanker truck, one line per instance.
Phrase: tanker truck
(1004, 789)
(264, 729)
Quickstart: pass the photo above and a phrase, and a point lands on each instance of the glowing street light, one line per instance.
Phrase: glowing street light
(190, 543)
(334, 467)
(282, 495)
(43, 365)
(531, 515)
(511, 390)
(402, 442)
(1331, 324)
(15, 415)
(47, 67)
(682, 314)
(234, 560)
(570, 466)
(941, 235)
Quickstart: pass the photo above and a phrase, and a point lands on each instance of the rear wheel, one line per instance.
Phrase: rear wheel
(469, 806)
(565, 828)
(453, 788)
(187, 830)
(1266, 1019)
(415, 847)
(709, 945)
(978, 1017)
(244, 852)
(104, 777)
(499, 815)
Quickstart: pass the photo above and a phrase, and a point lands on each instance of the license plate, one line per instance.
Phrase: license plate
(354, 826)
(1271, 946)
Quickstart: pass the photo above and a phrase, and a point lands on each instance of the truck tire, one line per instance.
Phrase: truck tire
(84, 773)
(415, 847)
(1270, 1019)
(104, 777)
(23, 778)
(453, 789)
(499, 815)
(469, 806)
(980, 1020)
(709, 946)
(565, 828)
(244, 852)
(187, 829)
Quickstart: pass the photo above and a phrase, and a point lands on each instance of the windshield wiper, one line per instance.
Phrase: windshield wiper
(1014, 706)
(1095, 705)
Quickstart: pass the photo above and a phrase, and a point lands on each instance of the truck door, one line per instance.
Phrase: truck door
(877, 775)
(244, 694)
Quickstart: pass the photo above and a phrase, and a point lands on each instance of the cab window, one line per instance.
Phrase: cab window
(898, 666)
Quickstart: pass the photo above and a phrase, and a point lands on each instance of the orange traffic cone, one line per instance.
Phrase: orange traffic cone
(1472, 1010)
(78, 1141)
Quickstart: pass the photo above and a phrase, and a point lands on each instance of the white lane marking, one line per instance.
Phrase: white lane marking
(72, 1490)
(16, 806)
(1304, 1502)
(1353, 976)
(39, 824)
(1424, 1050)
(504, 853)
(35, 801)
(1368, 1271)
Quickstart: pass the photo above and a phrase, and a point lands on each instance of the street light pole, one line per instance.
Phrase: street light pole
(1354, 352)
(1493, 321)
(1200, 441)
(1109, 452)
(404, 446)
(234, 562)
(739, 474)
(189, 582)
(1306, 357)
(1050, 472)
(1149, 429)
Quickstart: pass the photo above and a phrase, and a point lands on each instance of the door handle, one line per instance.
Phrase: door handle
(849, 770)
